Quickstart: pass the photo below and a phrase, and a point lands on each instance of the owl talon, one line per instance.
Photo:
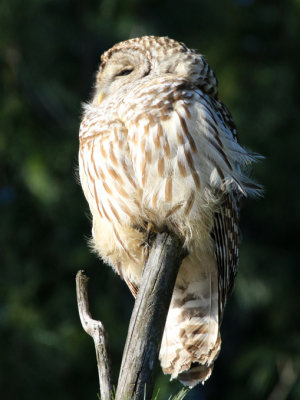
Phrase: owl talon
(151, 232)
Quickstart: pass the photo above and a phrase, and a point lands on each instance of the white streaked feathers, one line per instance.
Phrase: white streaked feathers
(162, 149)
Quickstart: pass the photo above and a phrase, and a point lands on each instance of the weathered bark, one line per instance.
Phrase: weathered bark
(146, 324)
(96, 330)
(148, 318)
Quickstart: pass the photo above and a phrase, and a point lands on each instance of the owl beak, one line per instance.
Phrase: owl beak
(100, 98)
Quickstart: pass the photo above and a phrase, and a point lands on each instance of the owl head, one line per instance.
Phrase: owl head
(129, 62)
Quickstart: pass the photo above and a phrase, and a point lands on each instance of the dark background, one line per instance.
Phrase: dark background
(49, 52)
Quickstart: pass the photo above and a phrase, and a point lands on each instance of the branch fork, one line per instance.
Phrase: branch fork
(146, 324)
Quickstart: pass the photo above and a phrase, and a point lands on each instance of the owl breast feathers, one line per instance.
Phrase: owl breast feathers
(158, 149)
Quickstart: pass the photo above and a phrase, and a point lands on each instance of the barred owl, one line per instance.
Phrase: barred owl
(158, 149)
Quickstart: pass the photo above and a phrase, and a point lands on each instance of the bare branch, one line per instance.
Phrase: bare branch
(148, 318)
(96, 330)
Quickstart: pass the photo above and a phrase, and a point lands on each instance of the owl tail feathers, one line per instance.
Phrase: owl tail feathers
(191, 341)
(200, 372)
(194, 372)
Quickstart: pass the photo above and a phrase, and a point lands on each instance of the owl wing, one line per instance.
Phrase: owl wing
(225, 231)
(225, 234)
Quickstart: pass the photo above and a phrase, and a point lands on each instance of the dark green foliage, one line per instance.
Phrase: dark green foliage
(49, 51)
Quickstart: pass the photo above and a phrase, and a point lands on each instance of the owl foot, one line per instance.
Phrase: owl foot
(151, 231)
(150, 234)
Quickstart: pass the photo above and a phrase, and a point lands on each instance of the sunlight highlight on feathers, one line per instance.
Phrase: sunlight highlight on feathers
(161, 150)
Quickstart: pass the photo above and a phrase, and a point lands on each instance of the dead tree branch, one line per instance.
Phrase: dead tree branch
(96, 330)
(146, 325)
(148, 318)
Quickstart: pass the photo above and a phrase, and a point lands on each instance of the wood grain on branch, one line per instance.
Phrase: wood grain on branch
(148, 318)
(146, 324)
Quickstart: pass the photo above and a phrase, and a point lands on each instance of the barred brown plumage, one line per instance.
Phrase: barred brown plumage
(158, 148)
